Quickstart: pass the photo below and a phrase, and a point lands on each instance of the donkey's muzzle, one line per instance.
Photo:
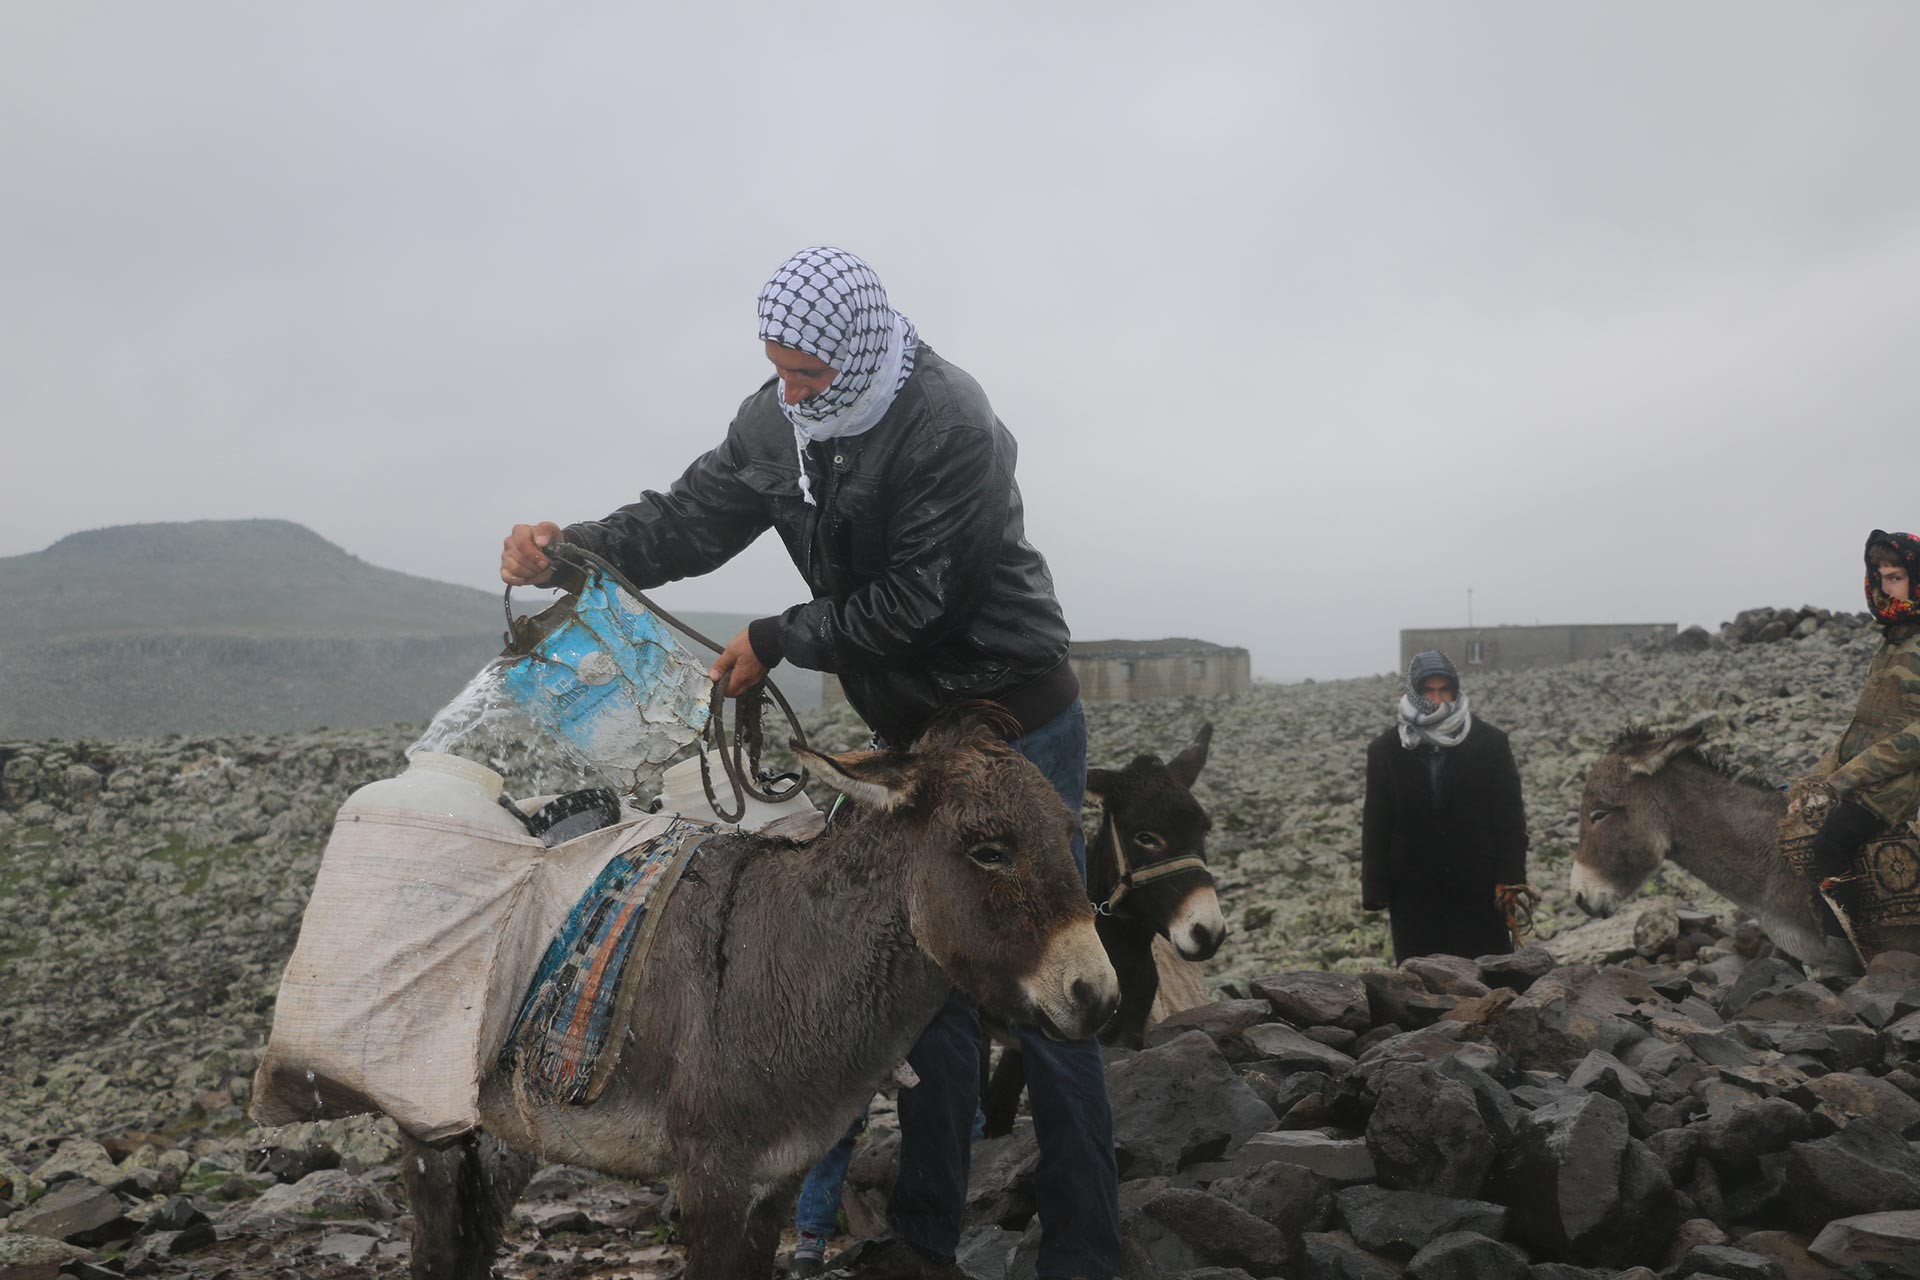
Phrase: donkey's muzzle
(1073, 990)
(1592, 894)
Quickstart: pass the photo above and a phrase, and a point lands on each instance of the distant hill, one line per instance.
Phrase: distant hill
(239, 626)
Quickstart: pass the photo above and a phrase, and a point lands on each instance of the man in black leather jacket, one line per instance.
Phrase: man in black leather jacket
(885, 472)
(926, 591)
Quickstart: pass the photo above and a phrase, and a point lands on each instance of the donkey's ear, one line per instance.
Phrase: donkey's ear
(1101, 782)
(877, 779)
(1185, 768)
(1659, 755)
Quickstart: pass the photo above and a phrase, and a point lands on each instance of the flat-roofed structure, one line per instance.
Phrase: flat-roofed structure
(1128, 670)
(1508, 648)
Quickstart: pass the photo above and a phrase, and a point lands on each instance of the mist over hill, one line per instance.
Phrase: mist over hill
(224, 626)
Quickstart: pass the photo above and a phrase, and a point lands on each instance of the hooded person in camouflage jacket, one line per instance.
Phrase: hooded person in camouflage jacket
(1870, 779)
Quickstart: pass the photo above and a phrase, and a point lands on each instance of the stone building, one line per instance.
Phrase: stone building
(1128, 670)
(1506, 648)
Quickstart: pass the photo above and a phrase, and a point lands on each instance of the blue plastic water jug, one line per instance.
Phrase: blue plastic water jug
(599, 670)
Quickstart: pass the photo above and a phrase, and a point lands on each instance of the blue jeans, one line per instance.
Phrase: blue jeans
(818, 1210)
(1076, 1186)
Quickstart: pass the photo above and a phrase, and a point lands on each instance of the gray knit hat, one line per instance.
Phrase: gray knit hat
(1430, 662)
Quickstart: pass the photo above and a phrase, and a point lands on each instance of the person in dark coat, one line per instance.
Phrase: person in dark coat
(1444, 827)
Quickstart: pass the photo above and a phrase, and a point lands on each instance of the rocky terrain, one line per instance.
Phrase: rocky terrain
(1656, 1090)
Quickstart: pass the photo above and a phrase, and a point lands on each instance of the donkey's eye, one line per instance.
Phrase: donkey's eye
(1598, 814)
(989, 855)
(1149, 840)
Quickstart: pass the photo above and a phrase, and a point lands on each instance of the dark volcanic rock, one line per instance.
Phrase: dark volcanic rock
(1464, 1255)
(177, 1214)
(1580, 1189)
(1676, 1149)
(1518, 970)
(1803, 1002)
(1221, 1020)
(1864, 1168)
(1448, 975)
(1285, 1049)
(1000, 1180)
(1285, 1089)
(1729, 1263)
(1426, 1132)
(1789, 1249)
(1391, 997)
(1400, 1223)
(1288, 1196)
(1428, 1044)
(1853, 1096)
(1341, 1160)
(1307, 998)
(1769, 975)
(1604, 1073)
(1219, 1233)
(290, 1164)
(78, 1212)
(1179, 1103)
(1332, 1255)
(1874, 1244)
(1497, 1107)
(1737, 1138)
(1570, 1012)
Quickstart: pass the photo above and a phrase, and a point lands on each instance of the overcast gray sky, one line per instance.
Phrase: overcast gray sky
(1308, 318)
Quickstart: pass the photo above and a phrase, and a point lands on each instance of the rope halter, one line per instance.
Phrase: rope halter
(1132, 878)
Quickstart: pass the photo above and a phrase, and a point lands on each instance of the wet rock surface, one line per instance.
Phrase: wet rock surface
(1658, 1091)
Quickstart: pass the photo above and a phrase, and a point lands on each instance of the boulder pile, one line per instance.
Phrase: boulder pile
(1769, 626)
(1506, 1117)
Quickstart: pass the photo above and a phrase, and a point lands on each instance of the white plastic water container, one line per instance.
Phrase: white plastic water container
(444, 785)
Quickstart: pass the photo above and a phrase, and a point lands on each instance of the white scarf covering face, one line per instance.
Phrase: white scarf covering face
(830, 304)
(1441, 724)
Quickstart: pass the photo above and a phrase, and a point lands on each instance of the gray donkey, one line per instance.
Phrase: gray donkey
(1653, 797)
(785, 981)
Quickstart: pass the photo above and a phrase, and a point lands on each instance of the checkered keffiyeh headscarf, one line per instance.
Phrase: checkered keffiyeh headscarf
(830, 304)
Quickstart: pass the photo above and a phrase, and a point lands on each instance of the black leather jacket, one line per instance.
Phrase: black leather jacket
(926, 591)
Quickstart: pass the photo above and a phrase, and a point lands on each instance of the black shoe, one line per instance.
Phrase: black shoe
(805, 1267)
(891, 1258)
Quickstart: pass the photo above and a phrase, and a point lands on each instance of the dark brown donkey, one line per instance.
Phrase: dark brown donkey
(784, 983)
(1147, 874)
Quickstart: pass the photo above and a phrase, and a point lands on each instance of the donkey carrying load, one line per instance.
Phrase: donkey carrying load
(1653, 797)
(783, 983)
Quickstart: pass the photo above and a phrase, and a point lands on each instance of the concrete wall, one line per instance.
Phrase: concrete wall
(1125, 677)
(1506, 648)
(1115, 674)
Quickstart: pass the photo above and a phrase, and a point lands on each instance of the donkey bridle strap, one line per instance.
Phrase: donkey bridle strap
(1131, 879)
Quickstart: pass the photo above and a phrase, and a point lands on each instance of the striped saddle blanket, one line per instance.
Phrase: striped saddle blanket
(555, 1046)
